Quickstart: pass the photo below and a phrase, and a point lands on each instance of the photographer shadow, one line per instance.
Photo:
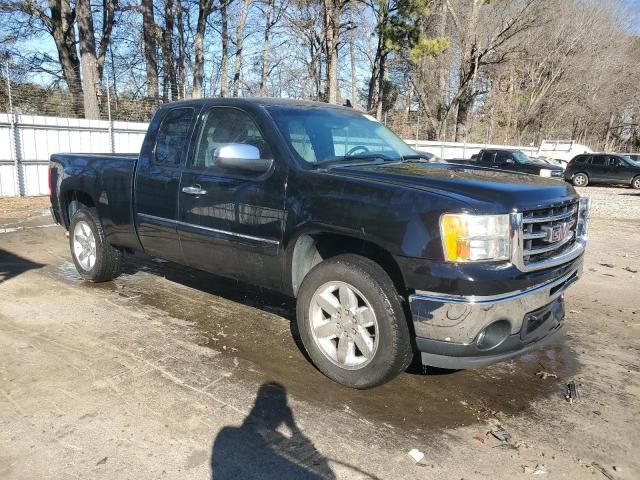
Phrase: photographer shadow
(260, 449)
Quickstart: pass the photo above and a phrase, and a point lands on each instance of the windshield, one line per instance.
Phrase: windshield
(319, 135)
(521, 157)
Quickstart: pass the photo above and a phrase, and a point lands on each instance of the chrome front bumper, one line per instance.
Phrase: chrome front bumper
(448, 328)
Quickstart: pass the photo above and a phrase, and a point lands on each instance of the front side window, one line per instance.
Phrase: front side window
(173, 137)
(521, 157)
(317, 135)
(615, 162)
(502, 157)
(224, 126)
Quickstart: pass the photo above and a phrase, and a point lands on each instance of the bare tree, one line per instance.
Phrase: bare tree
(59, 23)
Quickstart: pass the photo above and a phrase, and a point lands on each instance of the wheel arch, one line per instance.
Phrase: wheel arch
(72, 201)
(310, 248)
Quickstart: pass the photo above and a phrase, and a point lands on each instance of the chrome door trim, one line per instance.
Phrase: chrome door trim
(161, 220)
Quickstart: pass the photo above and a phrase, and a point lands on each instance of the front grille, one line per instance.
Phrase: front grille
(548, 232)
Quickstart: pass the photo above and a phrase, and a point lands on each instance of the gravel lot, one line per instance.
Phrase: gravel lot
(613, 202)
(170, 373)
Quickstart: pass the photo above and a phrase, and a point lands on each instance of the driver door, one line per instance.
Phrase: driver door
(231, 220)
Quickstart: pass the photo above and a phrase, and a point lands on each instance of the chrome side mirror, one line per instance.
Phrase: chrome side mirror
(240, 156)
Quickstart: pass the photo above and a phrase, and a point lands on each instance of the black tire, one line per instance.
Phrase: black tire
(580, 180)
(107, 258)
(393, 353)
(635, 183)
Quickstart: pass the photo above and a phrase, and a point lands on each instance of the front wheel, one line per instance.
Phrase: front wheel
(95, 259)
(352, 323)
(635, 183)
(580, 180)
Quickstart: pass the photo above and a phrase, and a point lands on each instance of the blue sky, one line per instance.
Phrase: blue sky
(634, 7)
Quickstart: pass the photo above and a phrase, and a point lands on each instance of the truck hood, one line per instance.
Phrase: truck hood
(485, 190)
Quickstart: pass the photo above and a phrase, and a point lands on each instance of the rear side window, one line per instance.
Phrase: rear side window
(600, 160)
(173, 137)
(486, 156)
(580, 159)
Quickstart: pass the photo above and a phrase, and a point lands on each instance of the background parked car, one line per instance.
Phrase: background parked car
(512, 160)
(608, 168)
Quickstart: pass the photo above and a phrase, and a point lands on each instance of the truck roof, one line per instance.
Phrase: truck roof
(257, 101)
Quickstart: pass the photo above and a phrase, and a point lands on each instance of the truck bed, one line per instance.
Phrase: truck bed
(108, 178)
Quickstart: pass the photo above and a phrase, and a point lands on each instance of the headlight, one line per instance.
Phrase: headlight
(583, 216)
(474, 238)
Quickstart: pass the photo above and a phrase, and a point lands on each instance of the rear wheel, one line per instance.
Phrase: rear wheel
(635, 183)
(580, 180)
(352, 323)
(95, 259)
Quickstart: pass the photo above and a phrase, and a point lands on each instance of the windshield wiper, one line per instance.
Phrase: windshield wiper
(415, 156)
(355, 159)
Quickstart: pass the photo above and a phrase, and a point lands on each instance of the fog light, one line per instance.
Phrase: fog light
(493, 335)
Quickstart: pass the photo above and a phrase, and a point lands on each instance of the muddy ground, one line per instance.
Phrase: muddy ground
(168, 373)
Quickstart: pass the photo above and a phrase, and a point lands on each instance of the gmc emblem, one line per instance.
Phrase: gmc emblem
(557, 233)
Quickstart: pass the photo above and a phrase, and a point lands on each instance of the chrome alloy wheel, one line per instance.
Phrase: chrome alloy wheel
(84, 245)
(344, 325)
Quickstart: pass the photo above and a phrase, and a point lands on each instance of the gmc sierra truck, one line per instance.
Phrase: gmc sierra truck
(386, 253)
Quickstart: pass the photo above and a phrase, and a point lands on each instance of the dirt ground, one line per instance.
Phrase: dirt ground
(168, 373)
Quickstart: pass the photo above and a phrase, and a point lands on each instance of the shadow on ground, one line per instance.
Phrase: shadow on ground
(12, 265)
(269, 445)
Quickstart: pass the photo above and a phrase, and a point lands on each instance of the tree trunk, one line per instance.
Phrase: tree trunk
(607, 135)
(169, 82)
(373, 80)
(204, 10)
(352, 53)
(468, 67)
(382, 78)
(108, 14)
(180, 63)
(64, 36)
(378, 72)
(224, 62)
(332, 13)
(264, 67)
(237, 67)
(88, 60)
(150, 55)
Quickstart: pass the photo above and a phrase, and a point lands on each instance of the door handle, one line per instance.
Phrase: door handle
(194, 190)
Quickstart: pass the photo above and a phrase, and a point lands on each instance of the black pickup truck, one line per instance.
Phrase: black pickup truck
(386, 253)
(513, 161)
